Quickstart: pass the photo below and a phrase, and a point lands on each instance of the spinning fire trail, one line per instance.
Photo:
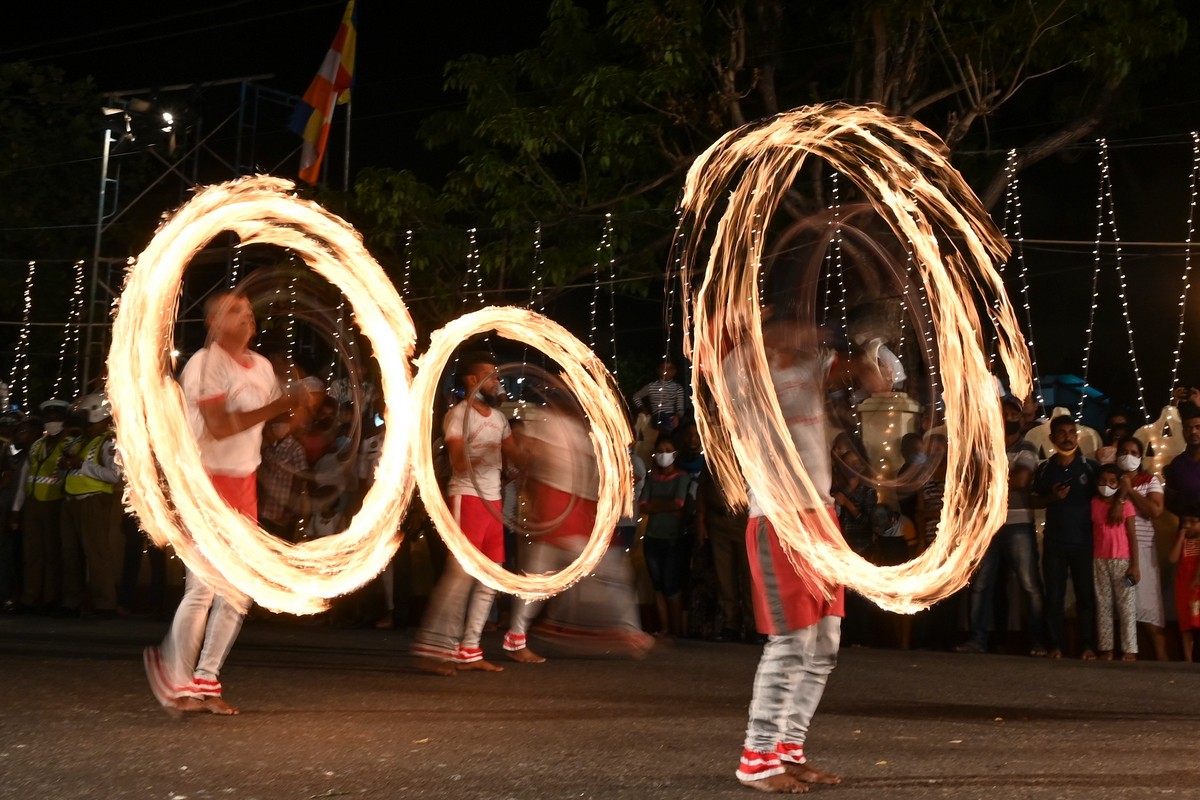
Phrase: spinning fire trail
(174, 498)
(901, 168)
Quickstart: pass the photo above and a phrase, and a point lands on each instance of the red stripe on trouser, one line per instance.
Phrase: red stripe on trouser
(756, 766)
(790, 752)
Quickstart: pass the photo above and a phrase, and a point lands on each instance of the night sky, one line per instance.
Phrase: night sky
(403, 47)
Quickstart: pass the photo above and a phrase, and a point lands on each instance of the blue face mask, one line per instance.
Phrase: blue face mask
(918, 459)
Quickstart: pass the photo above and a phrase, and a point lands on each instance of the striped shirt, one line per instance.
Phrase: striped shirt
(666, 397)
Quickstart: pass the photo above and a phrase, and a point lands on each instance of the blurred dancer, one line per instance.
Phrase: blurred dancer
(803, 626)
(562, 483)
(231, 391)
(478, 439)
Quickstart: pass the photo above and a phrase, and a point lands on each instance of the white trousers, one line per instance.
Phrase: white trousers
(789, 684)
(201, 636)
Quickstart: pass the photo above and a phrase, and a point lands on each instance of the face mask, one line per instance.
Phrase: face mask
(918, 459)
(664, 459)
(53, 428)
(1068, 453)
(1129, 463)
(1107, 491)
(1012, 427)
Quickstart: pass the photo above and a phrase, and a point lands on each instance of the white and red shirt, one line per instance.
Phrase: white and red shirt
(481, 435)
(214, 374)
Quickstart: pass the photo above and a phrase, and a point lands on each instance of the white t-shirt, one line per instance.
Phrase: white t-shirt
(481, 437)
(212, 374)
(561, 456)
(800, 388)
(1143, 526)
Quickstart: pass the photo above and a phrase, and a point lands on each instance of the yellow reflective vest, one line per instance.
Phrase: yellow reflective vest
(45, 482)
(76, 482)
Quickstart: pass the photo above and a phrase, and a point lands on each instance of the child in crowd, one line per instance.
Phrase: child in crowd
(1185, 555)
(1115, 564)
(665, 548)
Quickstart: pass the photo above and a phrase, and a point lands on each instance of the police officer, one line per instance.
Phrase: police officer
(89, 537)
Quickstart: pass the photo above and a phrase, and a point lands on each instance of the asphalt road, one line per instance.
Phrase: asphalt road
(342, 713)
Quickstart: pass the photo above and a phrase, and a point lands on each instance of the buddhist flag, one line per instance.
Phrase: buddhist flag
(330, 87)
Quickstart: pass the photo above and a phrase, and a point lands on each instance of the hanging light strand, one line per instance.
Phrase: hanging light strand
(1091, 326)
(1187, 259)
(600, 248)
(21, 360)
(1017, 237)
(612, 298)
(71, 335)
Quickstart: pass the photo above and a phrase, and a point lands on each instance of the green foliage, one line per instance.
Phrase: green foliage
(606, 113)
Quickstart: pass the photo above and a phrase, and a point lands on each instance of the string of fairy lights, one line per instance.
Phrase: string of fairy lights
(1107, 239)
(71, 340)
(1106, 219)
(21, 360)
(1187, 256)
(1014, 233)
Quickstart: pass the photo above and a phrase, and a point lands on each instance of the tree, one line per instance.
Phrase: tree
(609, 110)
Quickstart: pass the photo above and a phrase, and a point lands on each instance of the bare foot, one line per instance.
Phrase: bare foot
(482, 665)
(1105, 655)
(810, 774)
(436, 667)
(1054, 653)
(187, 705)
(216, 705)
(525, 656)
(781, 784)
(1088, 655)
(1129, 656)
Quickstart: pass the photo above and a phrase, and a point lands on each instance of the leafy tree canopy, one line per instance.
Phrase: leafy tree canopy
(607, 112)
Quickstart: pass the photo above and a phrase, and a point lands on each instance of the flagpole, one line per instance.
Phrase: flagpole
(346, 173)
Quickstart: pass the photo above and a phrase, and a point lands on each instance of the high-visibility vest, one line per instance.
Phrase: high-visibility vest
(76, 482)
(45, 481)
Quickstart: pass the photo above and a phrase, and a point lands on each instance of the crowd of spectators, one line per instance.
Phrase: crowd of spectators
(1108, 567)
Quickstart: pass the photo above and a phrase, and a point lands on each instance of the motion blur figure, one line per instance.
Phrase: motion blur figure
(562, 486)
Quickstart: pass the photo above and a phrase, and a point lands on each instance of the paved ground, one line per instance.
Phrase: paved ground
(341, 713)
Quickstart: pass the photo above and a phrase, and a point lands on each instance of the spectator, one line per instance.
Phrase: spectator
(665, 543)
(724, 530)
(1115, 564)
(1186, 556)
(1063, 485)
(938, 626)
(912, 448)
(1143, 489)
(1182, 475)
(40, 502)
(1013, 547)
(88, 529)
(20, 434)
(666, 399)
(283, 460)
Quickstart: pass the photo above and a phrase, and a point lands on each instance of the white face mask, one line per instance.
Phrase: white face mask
(53, 428)
(1129, 463)
(1107, 491)
(664, 459)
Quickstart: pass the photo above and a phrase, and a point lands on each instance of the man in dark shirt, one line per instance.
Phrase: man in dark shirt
(1063, 485)
(1182, 475)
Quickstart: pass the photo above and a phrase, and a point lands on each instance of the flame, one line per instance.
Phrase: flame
(901, 167)
(166, 485)
(169, 490)
(585, 376)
